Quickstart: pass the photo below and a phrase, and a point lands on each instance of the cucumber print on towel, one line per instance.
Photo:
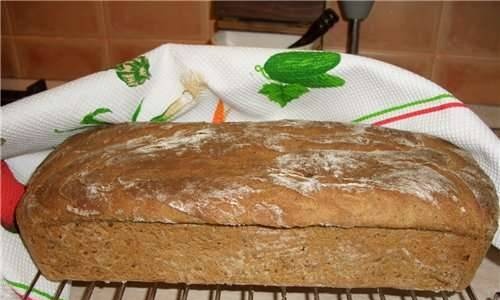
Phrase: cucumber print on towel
(294, 73)
(134, 72)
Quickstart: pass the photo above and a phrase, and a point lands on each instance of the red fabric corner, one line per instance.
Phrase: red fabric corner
(12, 191)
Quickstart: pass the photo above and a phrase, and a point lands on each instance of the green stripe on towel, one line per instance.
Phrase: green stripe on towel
(398, 107)
(25, 287)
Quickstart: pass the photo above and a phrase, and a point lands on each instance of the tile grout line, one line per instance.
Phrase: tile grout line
(158, 40)
(8, 23)
(483, 58)
(439, 38)
(105, 32)
(207, 13)
(10, 35)
(56, 37)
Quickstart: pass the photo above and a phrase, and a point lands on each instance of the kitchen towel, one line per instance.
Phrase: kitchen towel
(16, 267)
(18, 271)
(183, 83)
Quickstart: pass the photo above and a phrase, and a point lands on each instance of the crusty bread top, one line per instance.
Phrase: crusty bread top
(277, 174)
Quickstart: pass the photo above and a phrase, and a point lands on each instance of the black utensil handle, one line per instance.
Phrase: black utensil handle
(318, 28)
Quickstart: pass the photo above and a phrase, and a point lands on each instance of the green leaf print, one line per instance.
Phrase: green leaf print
(160, 118)
(283, 93)
(137, 111)
(292, 73)
(134, 72)
(90, 118)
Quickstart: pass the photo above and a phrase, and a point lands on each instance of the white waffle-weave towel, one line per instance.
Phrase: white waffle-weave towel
(185, 83)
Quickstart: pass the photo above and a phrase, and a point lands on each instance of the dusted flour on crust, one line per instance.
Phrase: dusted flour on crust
(267, 174)
(289, 203)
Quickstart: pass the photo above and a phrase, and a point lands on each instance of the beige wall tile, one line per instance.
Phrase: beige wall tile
(336, 38)
(60, 59)
(121, 50)
(471, 80)
(68, 19)
(158, 20)
(9, 66)
(471, 28)
(5, 19)
(395, 26)
(96, 35)
(415, 62)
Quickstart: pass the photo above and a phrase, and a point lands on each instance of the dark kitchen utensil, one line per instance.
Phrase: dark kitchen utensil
(355, 12)
(318, 28)
(9, 96)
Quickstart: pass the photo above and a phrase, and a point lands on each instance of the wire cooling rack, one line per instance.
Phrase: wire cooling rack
(215, 292)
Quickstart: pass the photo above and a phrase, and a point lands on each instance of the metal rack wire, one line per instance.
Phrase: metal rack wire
(216, 291)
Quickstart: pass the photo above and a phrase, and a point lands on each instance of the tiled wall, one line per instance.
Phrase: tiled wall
(65, 40)
(456, 44)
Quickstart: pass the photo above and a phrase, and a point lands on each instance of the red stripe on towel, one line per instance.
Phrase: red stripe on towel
(419, 112)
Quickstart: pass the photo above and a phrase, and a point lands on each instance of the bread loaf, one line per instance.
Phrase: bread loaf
(290, 203)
